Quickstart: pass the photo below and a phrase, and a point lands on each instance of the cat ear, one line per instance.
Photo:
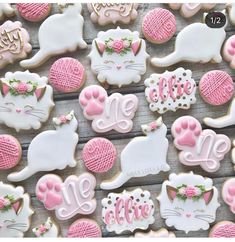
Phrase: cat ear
(4, 88)
(18, 205)
(208, 195)
(39, 92)
(100, 46)
(135, 46)
(171, 192)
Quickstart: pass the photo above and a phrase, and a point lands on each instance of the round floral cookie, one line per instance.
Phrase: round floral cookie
(223, 229)
(34, 12)
(99, 155)
(10, 152)
(67, 75)
(216, 87)
(159, 25)
(84, 228)
(229, 51)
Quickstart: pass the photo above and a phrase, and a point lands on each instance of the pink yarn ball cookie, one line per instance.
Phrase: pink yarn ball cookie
(67, 75)
(99, 155)
(224, 229)
(34, 12)
(84, 228)
(159, 25)
(216, 87)
(10, 152)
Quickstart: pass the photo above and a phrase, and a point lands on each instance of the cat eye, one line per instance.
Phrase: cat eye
(129, 61)
(9, 103)
(178, 208)
(199, 210)
(29, 107)
(109, 61)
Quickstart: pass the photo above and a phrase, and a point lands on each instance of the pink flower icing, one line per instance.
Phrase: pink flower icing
(118, 46)
(190, 192)
(22, 88)
(2, 203)
(63, 119)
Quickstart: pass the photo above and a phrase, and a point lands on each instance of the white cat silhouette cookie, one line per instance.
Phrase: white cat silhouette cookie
(118, 57)
(188, 202)
(58, 34)
(25, 100)
(52, 149)
(195, 43)
(153, 147)
(6, 10)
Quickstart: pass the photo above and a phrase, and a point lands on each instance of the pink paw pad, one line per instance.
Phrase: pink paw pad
(228, 193)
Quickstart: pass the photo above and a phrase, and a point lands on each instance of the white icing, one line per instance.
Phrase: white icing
(195, 43)
(50, 150)
(231, 11)
(11, 223)
(161, 233)
(142, 156)
(233, 154)
(58, 34)
(6, 10)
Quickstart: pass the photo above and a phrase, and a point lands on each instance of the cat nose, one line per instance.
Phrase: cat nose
(188, 215)
(119, 67)
(18, 110)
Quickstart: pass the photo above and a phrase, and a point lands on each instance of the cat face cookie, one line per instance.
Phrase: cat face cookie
(57, 146)
(73, 196)
(188, 202)
(228, 193)
(199, 147)
(171, 90)
(118, 57)
(112, 13)
(128, 211)
(153, 147)
(15, 211)
(108, 113)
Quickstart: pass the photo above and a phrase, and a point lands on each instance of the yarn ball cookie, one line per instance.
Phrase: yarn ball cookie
(10, 152)
(67, 75)
(34, 12)
(99, 155)
(223, 229)
(216, 87)
(159, 25)
(84, 228)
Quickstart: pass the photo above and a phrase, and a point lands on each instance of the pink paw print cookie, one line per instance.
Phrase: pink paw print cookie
(199, 147)
(108, 113)
(229, 51)
(228, 193)
(73, 196)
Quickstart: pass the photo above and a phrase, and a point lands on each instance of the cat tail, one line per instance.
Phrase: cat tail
(21, 175)
(221, 122)
(168, 60)
(115, 183)
(39, 58)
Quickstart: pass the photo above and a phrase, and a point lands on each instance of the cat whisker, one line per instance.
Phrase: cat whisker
(171, 211)
(134, 69)
(16, 229)
(4, 111)
(39, 112)
(34, 115)
(103, 68)
(206, 220)
(170, 215)
(204, 216)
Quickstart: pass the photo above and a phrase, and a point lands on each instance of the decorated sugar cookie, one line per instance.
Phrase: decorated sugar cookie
(127, 211)
(228, 193)
(171, 90)
(153, 148)
(108, 113)
(231, 11)
(199, 147)
(84, 228)
(6, 10)
(73, 196)
(52, 149)
(229, 51)
(188, 10)
(15, 211)
(25, 100)
(223, 229)
(161, 233)
(14, 43)
(188, 202)
(196, 42)
(66, 34)
(118, 57)
(47, 229)
(112, 13)
(233, 154)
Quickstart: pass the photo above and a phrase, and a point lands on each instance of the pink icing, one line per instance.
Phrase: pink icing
(223, 229)
(229, 51)
(5, 88)
(67, 75)
(216, 87)
(159, 25)
(228, 193)
(135, 46)
(99, 155)
(118, 46)
(100, 46)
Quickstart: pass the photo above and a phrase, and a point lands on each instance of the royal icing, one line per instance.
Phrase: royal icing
(66, 34)
(14, 43)
(153, 148)
(228, 193)
(188, 10)
(171, 90)
(223, 229)
(188, 202)
(118, 57)
(127, 211)
(15, 211)
(161, 233)
(231, 11)
(229, 51)
(25, 100)
(106, 13)
(52, 149)
(6, 10)
(108, 113)
(199, 147)
(46, 229)
(197, 42)
(73, 196)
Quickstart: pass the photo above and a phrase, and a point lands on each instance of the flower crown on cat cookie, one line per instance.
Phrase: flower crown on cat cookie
(63, 119)
(6, 203)
(43, 228)
(152, 126)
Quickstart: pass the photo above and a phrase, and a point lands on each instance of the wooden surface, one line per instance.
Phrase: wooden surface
(67, 102)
